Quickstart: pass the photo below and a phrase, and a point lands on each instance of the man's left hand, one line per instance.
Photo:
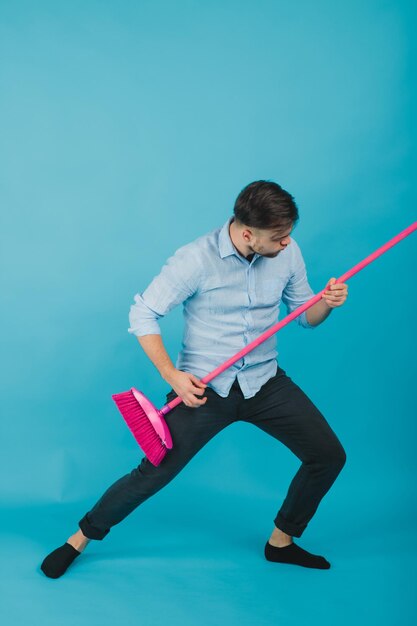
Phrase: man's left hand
(335, 294)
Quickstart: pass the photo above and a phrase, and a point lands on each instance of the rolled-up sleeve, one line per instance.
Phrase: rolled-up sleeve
(297, 290)
(177, 281)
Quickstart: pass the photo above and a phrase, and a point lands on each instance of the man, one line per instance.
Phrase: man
(231, 282)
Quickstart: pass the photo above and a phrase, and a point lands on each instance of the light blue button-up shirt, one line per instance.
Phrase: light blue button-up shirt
(228, 301)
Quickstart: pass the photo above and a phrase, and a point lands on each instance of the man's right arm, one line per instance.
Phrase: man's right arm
(185, 384)
(155, 350)
(177, 281)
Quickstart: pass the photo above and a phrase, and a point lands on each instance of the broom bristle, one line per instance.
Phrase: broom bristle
(140, 426)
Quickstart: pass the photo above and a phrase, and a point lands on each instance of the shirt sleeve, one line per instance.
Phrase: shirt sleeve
(177, 281)
(297, 290)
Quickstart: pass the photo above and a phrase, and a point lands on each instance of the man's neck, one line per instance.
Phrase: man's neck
(233, 236)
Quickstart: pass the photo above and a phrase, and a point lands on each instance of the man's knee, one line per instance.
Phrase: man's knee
(329, 454)
(336, 456)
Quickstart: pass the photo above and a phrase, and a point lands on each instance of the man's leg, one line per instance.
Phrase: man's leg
(191, 428)
(284, 411)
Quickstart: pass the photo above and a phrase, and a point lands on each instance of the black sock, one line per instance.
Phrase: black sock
(296, 555)
(57, 562)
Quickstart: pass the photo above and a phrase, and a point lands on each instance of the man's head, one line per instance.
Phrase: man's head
(264, 216)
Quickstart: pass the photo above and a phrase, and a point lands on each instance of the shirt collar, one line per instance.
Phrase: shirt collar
(226, 246)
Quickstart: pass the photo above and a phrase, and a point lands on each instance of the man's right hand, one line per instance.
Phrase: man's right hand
(187, 386)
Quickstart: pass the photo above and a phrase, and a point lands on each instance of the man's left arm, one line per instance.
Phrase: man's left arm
(298, 291)
(334, 296)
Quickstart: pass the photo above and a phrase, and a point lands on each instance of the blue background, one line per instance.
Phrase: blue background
(127, 130)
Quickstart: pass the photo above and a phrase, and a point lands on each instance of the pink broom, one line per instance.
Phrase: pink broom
(147, 423)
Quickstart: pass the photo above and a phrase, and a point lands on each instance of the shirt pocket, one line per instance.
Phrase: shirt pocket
(269, 290)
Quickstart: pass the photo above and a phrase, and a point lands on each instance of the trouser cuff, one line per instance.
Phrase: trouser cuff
(288, 528)
(90, 531)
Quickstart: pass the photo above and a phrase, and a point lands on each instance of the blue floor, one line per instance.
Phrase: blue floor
(174, 562)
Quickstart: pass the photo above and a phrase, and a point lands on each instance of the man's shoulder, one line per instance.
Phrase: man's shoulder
(294, 249)
(202, 243)
(291, 256)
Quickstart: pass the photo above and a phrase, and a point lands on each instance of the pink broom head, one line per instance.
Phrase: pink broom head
(146, 423)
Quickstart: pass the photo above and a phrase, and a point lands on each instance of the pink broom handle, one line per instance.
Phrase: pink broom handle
(253, 344)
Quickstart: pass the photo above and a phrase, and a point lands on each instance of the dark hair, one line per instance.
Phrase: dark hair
(266, 205)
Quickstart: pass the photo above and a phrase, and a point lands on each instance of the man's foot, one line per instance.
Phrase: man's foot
(292, 553)
(58, 561)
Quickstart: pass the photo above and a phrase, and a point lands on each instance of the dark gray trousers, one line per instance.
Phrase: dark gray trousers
(280, 408)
